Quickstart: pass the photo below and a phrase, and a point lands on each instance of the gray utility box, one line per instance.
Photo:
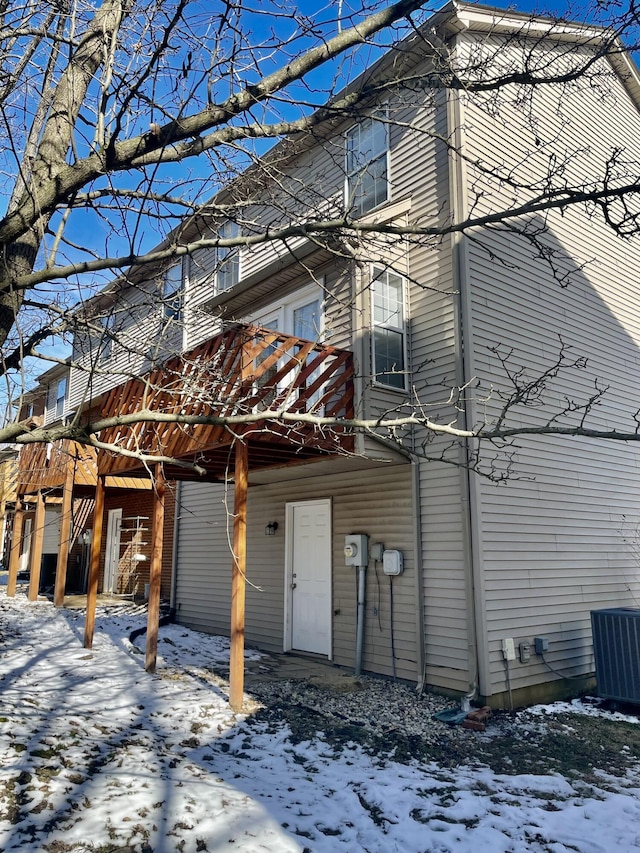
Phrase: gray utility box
(616, 645)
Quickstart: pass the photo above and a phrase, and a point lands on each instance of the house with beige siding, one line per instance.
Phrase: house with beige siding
(403, 551)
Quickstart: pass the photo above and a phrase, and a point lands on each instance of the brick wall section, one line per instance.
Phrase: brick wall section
(136, 538)
(133, 503)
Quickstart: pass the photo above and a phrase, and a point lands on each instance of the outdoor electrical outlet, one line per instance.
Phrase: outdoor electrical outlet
(541, 645)
(376, 551)
(525, 652)
(508, 649)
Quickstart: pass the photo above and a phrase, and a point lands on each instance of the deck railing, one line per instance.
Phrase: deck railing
(44, 466)
(244, 371)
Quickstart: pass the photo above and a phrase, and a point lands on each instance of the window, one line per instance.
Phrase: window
(367, 147)
(61, 391)
(172, 293)
(307, 320)
(300, 315)
(29, 411)
(228, 259)
(388, 338)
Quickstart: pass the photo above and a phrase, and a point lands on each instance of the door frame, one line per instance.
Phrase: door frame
(110, 571)
(288, 571)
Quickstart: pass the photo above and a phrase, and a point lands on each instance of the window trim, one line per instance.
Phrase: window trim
(285, 307)
(375, 273)
(229, 252)
(349, 197)
(60, 400)
(169, 313)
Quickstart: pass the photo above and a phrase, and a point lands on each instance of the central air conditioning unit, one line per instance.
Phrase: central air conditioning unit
(616, 645)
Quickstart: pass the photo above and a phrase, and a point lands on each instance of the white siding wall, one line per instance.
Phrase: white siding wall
(144, 335)
(201, 323)
(375, 501)
(559, 538)
(51, 538)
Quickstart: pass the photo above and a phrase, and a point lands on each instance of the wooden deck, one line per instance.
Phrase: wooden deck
(45, 466)
(241, 373)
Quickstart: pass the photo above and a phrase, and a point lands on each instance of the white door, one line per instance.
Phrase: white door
(308, 577)
(112, 555)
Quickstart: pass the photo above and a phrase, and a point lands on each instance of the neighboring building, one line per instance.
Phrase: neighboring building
(53, 497)
(8, 482)
(395, 325)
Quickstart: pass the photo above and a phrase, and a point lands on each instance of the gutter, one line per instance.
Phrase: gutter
(421, 658)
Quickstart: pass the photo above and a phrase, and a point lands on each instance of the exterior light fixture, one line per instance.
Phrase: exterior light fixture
(270, 529)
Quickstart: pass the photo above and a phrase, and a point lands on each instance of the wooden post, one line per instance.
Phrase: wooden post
(155, 571)
(94, 566)
(36, 551)
(238, 576)
(16, 548)
(65, 534)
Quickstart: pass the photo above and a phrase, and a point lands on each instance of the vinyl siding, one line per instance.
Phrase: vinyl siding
(559, 538)
(433, 335)
(376, 501)
(144, 335)
(201, 324)
(51, 537)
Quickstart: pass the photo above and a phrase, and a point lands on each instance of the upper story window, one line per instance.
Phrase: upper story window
(228, 259)
(57, 395)
(29, 410)
(307, 319)
(367, 163)
(389, 333)
(173, 293)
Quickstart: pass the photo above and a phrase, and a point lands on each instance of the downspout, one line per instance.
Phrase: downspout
(478, 655)
(362, 584)
(174, 551)
(421, 661)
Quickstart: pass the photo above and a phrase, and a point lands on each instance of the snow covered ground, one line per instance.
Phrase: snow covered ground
(97, 755)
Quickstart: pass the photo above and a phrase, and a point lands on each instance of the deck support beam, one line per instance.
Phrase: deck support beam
(65, 534)
(155, 571)
(16, 548)
(94, 565)
(36, 551)
(238, 576)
